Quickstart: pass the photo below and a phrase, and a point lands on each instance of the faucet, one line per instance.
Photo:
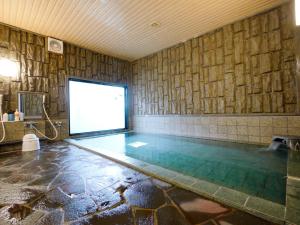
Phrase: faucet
(30, 124)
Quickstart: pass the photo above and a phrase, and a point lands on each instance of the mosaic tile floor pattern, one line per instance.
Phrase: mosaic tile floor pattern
(62, 184)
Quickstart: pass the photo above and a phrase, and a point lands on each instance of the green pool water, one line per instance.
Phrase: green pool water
(251, 169)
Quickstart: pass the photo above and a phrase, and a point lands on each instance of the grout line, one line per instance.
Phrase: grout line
(214, 194)
(246, 201)
(195, 181)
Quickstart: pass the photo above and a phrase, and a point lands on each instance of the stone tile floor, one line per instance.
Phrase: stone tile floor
(62, 184)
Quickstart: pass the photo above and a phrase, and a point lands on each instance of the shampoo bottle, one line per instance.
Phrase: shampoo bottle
(11, 115)
(5, 117)
(21, 116)
(17, 115)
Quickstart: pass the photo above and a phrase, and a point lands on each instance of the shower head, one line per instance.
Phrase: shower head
(1, 99)
(1, 102)
(1, 96)
(44, 98)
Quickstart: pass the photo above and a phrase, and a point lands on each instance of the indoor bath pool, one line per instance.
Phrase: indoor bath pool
(250, 169)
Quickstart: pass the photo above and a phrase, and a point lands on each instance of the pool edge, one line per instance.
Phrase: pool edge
(259, 207)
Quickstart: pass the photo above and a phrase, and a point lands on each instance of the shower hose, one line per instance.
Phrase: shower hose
(3, 128)
(54, 128)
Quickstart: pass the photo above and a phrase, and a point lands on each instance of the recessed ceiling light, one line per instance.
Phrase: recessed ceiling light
(155, 24)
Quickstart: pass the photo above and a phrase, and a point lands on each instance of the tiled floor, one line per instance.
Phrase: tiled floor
(62, 184)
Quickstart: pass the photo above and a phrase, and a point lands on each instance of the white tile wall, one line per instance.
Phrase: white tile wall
(249, 129)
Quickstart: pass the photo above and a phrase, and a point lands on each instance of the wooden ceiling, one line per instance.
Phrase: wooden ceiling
(122, 28)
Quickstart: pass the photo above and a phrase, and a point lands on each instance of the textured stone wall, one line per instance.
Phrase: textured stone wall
(41, 71)
(244, 67)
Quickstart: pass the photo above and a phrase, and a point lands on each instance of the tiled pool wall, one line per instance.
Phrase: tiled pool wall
(293, 188)
(245, 129)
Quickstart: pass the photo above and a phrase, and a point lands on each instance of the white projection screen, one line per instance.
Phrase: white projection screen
(96, 106)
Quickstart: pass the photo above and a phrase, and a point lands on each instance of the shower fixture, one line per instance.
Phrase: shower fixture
(31, 141)
(1, 119)
(51, 123)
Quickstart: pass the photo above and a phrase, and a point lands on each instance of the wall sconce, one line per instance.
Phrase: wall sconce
(8, 68)
(297, 12)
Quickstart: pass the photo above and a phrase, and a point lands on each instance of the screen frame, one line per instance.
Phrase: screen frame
(83, 80)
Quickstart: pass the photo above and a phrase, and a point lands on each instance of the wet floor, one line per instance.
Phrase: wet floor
(62, 184)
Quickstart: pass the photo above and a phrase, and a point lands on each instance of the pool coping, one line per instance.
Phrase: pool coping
(259, 207)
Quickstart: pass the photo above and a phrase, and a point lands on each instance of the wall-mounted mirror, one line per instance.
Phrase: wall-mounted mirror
(30, 103)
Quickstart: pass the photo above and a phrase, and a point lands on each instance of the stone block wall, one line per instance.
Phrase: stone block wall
(41, 71)
(244, 67)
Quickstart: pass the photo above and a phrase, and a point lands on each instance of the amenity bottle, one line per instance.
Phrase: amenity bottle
(5, 117)
(17, 115)
(21, 116)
